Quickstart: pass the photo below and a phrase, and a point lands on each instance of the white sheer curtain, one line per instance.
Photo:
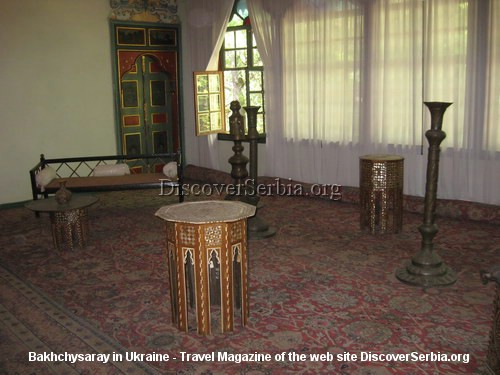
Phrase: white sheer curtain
(300, 100)
(492, 114)
(394, 87)
(393, 83)
(456, 69)
(206, 22)
(266, 18)
(346, 78)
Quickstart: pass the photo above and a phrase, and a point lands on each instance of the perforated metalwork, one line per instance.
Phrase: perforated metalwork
(69, 227)
(381, 193)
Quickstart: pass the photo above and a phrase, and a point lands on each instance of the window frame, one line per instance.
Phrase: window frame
(250, 67)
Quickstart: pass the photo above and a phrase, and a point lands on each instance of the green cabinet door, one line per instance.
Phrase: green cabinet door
(146, 108)
(157, 107)
(146, 64)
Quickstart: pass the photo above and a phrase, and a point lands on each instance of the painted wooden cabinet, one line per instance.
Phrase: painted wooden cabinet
(146, 62)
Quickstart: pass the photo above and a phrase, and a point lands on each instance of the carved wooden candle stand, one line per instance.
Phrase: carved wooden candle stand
(238, 161)
(257, 228)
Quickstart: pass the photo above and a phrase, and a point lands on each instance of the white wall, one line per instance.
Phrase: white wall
(56, 94)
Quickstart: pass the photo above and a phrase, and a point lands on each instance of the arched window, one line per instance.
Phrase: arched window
(242, 65)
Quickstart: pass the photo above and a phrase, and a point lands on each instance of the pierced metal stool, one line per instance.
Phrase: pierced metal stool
(68, 227)
(381, 193)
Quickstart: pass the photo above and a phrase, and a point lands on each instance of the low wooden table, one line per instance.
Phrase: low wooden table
(69, 221)
(207, 261)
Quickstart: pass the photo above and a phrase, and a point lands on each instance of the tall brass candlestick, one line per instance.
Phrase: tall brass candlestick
(426, 268)
(257, 227)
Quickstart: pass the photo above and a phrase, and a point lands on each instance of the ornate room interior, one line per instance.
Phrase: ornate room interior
(335, 165)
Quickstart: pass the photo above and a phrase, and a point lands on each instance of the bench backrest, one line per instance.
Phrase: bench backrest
(84, 166)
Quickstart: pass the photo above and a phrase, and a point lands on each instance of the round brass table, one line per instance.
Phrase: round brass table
(207, 261)
(381, 193)
(69, 221)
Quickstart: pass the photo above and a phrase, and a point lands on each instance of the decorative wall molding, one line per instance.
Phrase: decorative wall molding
(162, 11)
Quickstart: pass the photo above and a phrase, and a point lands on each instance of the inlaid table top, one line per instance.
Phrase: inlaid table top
(50, 204)
(204, 212)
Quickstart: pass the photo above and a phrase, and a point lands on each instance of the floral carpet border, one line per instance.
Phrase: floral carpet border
(32, 322)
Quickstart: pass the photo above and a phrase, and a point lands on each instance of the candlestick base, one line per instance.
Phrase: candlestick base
(257, 228)
(426, 275)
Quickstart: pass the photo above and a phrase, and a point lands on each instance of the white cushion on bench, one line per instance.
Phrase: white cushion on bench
(170, 170)
(44, 177)
(111, 170)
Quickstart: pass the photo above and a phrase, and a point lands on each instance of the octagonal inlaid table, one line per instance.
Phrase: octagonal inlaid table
(208, 263)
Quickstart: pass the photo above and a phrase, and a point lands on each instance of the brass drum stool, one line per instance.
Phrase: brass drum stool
(207, 261)
(381, 193)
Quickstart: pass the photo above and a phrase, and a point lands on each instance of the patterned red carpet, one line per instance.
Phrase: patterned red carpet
(33, 325)
(320, 286)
